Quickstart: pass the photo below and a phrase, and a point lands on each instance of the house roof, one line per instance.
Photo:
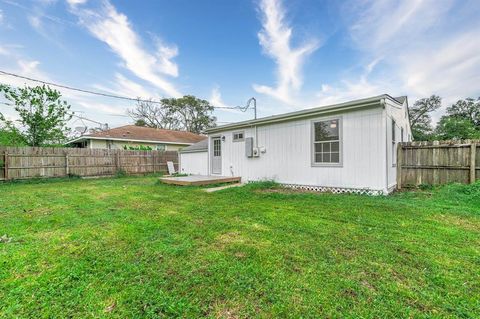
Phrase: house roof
(401, 99)
(201, 146)
(145, 134)
(367, 102)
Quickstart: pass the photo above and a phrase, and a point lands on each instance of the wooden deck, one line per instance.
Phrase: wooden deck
(199, 180)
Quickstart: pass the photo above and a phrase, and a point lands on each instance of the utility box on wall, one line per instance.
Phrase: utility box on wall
(249, 147)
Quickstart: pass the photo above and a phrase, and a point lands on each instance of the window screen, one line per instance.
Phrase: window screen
(326, 141)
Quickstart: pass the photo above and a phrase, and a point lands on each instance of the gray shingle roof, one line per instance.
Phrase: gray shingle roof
(400, 99)
(201, 146)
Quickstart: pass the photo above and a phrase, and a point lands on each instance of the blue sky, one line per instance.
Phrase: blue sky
(290, 55)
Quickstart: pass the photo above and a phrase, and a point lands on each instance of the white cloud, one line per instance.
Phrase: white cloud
(76, 2)
(126, 87)
(98, 108)
(35, 22)
(114, 28)
(216, 97)
(421, 47)
(275, 39)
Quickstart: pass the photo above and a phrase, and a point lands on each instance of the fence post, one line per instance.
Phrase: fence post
(153, 159)
(399, 165)
(5, 166)
(67, 169)
(117, 160)
(473, 151)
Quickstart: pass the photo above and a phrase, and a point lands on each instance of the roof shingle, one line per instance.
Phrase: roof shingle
(133, 132)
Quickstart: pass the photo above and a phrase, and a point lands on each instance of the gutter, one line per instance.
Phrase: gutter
(288, 117)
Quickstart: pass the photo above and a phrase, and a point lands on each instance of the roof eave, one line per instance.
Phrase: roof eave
(369, 102)
(86, 137)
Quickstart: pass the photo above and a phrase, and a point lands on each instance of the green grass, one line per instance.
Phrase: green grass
(133, 248)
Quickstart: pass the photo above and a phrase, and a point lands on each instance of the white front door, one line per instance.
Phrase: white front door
(216, 155)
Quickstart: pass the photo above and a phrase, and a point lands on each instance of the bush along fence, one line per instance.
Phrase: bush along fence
(35, 162)
(438, 162)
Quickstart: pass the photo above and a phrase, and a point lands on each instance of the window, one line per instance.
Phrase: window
(394, 148)
(238, 136)
(402, 133)
(161, 147)
(217, 151)
(326, 142)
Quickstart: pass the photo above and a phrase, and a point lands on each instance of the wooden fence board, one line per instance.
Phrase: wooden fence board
(33, 162)
(438, 162)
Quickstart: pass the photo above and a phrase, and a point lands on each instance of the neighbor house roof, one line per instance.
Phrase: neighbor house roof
(201, 146)
(144, 134)
(367, 102)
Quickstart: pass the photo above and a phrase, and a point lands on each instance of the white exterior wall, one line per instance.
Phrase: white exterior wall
(288, 154)
(118, 145)
(194, 163)
(400, 115)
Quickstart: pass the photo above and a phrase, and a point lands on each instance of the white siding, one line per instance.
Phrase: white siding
(194, 163)
(288, 153)
(400, 115)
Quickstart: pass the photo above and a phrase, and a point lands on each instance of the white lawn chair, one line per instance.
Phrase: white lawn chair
(171, 168)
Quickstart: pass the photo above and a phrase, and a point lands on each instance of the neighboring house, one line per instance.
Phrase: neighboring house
(346, 147)
(136, 136)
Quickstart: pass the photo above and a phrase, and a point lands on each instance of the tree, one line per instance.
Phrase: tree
(11, 137)
(462, 121)
(420, 119)
(468, 109)
(150, 114)
(456, 128)
(192, 114)
(140, 122)
(186, 113)
(42, 114)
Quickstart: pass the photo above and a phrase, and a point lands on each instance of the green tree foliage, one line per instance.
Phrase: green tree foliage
(186, 113)
(462, 121)
(453, 128)
(468, 109)
(420, 119)
(11, 137)
(137, 148)
(41, 112)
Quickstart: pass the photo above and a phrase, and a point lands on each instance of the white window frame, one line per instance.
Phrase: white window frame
(340, 142)
(238, 139)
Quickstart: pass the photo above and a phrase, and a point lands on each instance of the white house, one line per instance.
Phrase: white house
(346, 147)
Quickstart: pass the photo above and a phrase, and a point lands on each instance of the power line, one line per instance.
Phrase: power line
(71, 114)
(243, 109)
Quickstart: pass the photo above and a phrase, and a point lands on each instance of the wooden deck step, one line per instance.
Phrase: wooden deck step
(198, 180)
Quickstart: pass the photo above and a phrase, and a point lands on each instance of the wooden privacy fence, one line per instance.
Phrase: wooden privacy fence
(32, 162)
(438, 162)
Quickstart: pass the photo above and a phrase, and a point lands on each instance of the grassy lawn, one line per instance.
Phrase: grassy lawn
(130, 248)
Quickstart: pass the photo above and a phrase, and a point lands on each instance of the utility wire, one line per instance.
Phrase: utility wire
(243, 109)
(71, 114)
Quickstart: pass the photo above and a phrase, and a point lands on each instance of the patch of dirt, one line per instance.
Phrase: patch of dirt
(240, 255)
(230, 238)
(222, 310)
(111, 307)
(458, 221)
(5, 239)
